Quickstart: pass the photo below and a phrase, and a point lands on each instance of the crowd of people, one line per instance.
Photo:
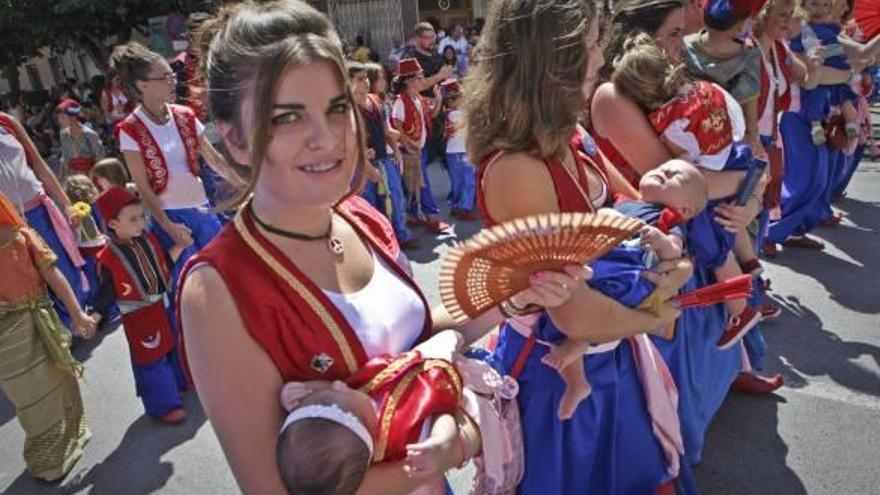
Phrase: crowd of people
(243, 211)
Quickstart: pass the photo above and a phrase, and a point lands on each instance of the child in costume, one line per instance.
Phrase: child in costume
(702, 123)
(376, 106)
(671, 194)
(134, 270)
(822, 30)
(82, 193)
(396, 407)
(412, 115)
(463, 183)
(37, 371)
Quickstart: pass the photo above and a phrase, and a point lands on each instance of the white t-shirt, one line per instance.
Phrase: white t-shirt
(184, 189)
(456, 143)
(17, 179)
(398, 113)
(386, 314)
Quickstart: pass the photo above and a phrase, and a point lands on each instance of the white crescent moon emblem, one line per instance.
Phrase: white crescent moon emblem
(152, 342)
(126, 289)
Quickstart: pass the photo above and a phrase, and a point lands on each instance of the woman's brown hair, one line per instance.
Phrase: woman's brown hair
(246, 49)
(526, 91)
(646, 74)
(632, 17)
(132, 62)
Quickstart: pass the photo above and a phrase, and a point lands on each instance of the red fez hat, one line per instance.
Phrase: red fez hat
(69, 106)
(112, 201)
(408, 67)
(451, 87)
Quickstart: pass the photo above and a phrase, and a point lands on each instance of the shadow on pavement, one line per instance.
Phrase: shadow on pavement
(132, 471)
(754, 459)
(802, 347)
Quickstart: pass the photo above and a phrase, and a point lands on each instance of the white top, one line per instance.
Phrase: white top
(386, 314)
(456, 144)
(184, 189)
(17, 179)
(398, 113)
(678, 134)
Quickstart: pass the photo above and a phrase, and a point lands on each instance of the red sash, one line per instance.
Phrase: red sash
(81, 164)
(408, 389)
(146, 323)
(301, 330)
(154, 160)
(705, 109)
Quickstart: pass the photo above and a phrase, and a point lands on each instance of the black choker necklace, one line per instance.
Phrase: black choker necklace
(334, 244)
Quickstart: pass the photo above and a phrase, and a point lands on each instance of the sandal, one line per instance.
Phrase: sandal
(803, 242)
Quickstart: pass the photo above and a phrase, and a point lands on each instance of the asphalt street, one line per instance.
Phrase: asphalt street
(820, 434)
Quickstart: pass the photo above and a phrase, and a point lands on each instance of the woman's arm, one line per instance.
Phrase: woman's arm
(588, 315)
(237, 382)
(616, 118)
(858, 51)
(135, 163)
(218, 163)
(42, 170)
(97, 145)
(83, 325)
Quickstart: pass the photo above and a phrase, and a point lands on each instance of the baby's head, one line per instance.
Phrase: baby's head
(676, 184)
(326, 442)
(646, 74)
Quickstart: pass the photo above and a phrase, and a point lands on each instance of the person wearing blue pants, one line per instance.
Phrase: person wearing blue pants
(379, 136)
(462, 171)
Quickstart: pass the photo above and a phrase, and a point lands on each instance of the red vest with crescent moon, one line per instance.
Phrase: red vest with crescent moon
(408, 389)
(299, 328)
(144, 318)
(154, 160)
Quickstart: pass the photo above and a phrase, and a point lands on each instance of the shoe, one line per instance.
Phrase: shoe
(832, 221)
(752, 384)
(454, 212)
(667, 488)
(803, 242)
(415, 222)
(752, 267)
(767, 284)
(411, 243)
(769, 311)
(738, 327)
(436, 226)
(174, 416)
(769, 249)
(468, 215)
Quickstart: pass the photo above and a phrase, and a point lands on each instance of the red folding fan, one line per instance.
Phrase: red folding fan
(867, 15)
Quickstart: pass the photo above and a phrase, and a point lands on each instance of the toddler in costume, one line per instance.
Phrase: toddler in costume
(822, 30)
(671, 194)
(134, 271)
(37, 371)
(702, 123)
(421, 406)
(82, 193)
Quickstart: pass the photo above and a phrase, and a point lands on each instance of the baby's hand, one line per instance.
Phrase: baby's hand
(426, 459)
(293, 393)
(653, 239)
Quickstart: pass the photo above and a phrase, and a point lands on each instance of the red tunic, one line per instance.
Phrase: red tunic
(144, 318)
(705, 108)
(154, 160)
(301, 330)
(408, 389)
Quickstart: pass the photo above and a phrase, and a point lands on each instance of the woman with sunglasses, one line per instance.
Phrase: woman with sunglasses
(161, 143)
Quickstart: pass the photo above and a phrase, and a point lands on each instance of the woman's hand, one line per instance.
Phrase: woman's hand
(292, 393)
(552, 289)
(84, 326)
(179, 233)
(670, 276)
(72, 218)
(736, 218)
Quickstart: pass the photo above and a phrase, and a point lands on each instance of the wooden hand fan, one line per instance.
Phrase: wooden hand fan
(867, 15)
(495, 264)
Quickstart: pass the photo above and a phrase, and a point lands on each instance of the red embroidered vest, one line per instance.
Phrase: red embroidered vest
(154, 160)
(705, 109)
(144, 318)
(408, 390)
(302, 331)
(414, 123)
